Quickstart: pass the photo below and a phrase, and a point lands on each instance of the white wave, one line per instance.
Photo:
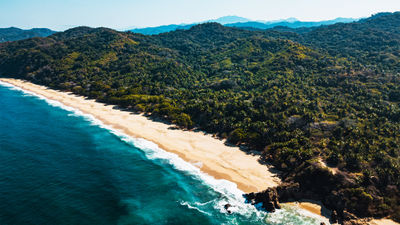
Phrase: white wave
(292, 215)
(9, 86)
(194, 207)
(228, 190)
(205, 203)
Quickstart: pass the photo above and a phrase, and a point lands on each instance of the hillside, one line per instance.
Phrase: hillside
(14, 34)
(373, 43)
(302, 99)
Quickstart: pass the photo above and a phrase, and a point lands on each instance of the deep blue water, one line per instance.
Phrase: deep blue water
(58, 166)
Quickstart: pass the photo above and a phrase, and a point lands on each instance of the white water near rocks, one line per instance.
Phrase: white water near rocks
(226, 191)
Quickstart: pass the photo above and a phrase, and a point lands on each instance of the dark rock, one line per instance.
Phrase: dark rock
(268, 199)
(277, 205)
(250, 196)
(227, 206)
(268, 206)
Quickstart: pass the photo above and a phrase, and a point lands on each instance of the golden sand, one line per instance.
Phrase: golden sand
(216, 158)
(211, 155)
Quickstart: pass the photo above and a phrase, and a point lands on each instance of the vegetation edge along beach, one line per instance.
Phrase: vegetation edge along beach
(247, 173)
(321, 104)
(211, 155)
(256, 172)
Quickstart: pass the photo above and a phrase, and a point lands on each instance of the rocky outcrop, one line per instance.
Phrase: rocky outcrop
(338, 192)
(226, 207)
(267, 200)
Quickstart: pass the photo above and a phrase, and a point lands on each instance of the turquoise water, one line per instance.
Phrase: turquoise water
(59, 166)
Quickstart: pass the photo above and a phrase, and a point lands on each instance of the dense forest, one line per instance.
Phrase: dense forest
(322, 104)
(15, 34)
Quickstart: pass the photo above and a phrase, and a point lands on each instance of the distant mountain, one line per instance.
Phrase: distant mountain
(15, 34)
(161, 29)
(240, 22)
(167, 28)
(327, 95)
(289, 23)
(230, 19)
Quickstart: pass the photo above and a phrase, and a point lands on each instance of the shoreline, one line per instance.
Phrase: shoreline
(258, 176)
(209, 154)
(202, 150)
(228, 163)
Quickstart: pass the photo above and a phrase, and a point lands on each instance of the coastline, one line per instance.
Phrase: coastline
(202, 150)
(211, 155)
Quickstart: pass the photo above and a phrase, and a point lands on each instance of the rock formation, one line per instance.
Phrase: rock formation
(267, 200)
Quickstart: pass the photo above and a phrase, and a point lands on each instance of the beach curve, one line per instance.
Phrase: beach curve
(211, 155)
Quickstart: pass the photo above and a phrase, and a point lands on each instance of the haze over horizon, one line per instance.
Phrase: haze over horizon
(122, 14)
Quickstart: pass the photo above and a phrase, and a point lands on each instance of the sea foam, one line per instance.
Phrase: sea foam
(228, 190)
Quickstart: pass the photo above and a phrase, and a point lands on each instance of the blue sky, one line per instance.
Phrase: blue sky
(120, 14)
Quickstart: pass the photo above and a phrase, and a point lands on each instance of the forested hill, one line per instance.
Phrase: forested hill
(14, 34)
(300, 98)
(373, 42)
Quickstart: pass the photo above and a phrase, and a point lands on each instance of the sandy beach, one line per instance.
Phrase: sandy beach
(210, 154)
(383, 222)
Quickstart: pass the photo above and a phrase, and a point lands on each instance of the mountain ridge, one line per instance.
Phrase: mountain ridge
(234, 21)
(15, 34)
(329, 94)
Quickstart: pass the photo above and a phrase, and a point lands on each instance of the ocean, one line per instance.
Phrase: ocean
(60, 166)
